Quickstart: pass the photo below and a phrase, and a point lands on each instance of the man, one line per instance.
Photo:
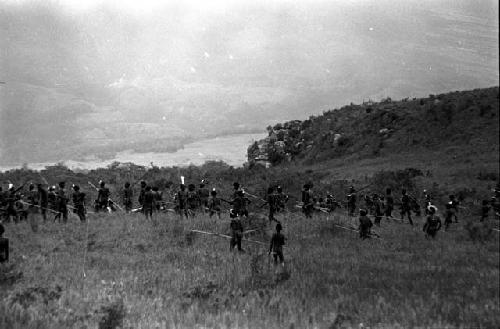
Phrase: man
(351, 201)
(214, 204)
(181, 201)
(102, 202)
(127, 197)
(240, 203)
(272, 202)
(405, 206)
(79, 203)
(192, 200)
(454, 207)
(236, 188)
(331, 203)
(433, 223)
(368, 204)
(282, 199)
(4, 246)
(158, 196)
(389, 203)
(43, 201)
(276, 246)
(149, 202)
(203, 195)
(236, 231)
(448, 216)
(62, 202)
(141, 194)
(3, 204)
(377, 209)
(12, 199)
(52, 202)
(33, 200)
(427, 202)
(33, 207)
(365, 225)
(307, 201)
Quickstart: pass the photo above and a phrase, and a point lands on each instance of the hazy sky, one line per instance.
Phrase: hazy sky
(230, 63)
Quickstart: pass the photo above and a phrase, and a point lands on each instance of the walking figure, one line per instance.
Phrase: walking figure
(276, 246)
(405, 206)
(79, 203)
(236, 230)
(433, 223)
(365, 225)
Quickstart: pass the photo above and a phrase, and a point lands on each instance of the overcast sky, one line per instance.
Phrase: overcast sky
(277, 60)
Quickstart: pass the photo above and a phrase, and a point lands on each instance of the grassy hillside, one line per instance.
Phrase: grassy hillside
(121, 270)
(465, 120)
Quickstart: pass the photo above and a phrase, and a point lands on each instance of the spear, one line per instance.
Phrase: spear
(253, 196)
(357, 231)
(34, 205)
(227, 236)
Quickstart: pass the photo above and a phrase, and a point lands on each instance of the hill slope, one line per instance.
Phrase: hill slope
(467, 120)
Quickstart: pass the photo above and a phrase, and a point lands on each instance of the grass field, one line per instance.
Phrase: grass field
(124, 271)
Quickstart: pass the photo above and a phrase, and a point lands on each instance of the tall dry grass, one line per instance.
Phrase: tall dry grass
(129, 272)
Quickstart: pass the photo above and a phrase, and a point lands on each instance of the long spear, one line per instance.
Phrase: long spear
(227, 236)
(357, 231)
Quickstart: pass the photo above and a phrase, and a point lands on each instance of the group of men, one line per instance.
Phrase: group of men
(17, 205)
(380, 206)
(188, 200)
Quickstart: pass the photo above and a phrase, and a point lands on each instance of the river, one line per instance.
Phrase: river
(231, 149)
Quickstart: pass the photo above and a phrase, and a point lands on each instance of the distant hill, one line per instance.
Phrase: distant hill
(464, 121)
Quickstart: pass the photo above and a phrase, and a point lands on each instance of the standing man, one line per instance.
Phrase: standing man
(351, 201)
(181, 200)
(33, 200)
(454, 207)
(4, 246)
(79, 203)
(377, 209)
(432, 224)
(158, 196)
(427, 202)
(34, 205)
(236, 231)
(240, 203)
(127, 199)
(149, 203)
(236, 188)
(102, 197)
(405, 206)
(12, 198)
(272, 202)
(214, 204)
(203, 195)
(52, 200)
(307, 201)
(141, 194)
(365, 225)
(62, 202)
(282, 199)
(276, 246)
(389, 203)
(43, 201)
(192, 200)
